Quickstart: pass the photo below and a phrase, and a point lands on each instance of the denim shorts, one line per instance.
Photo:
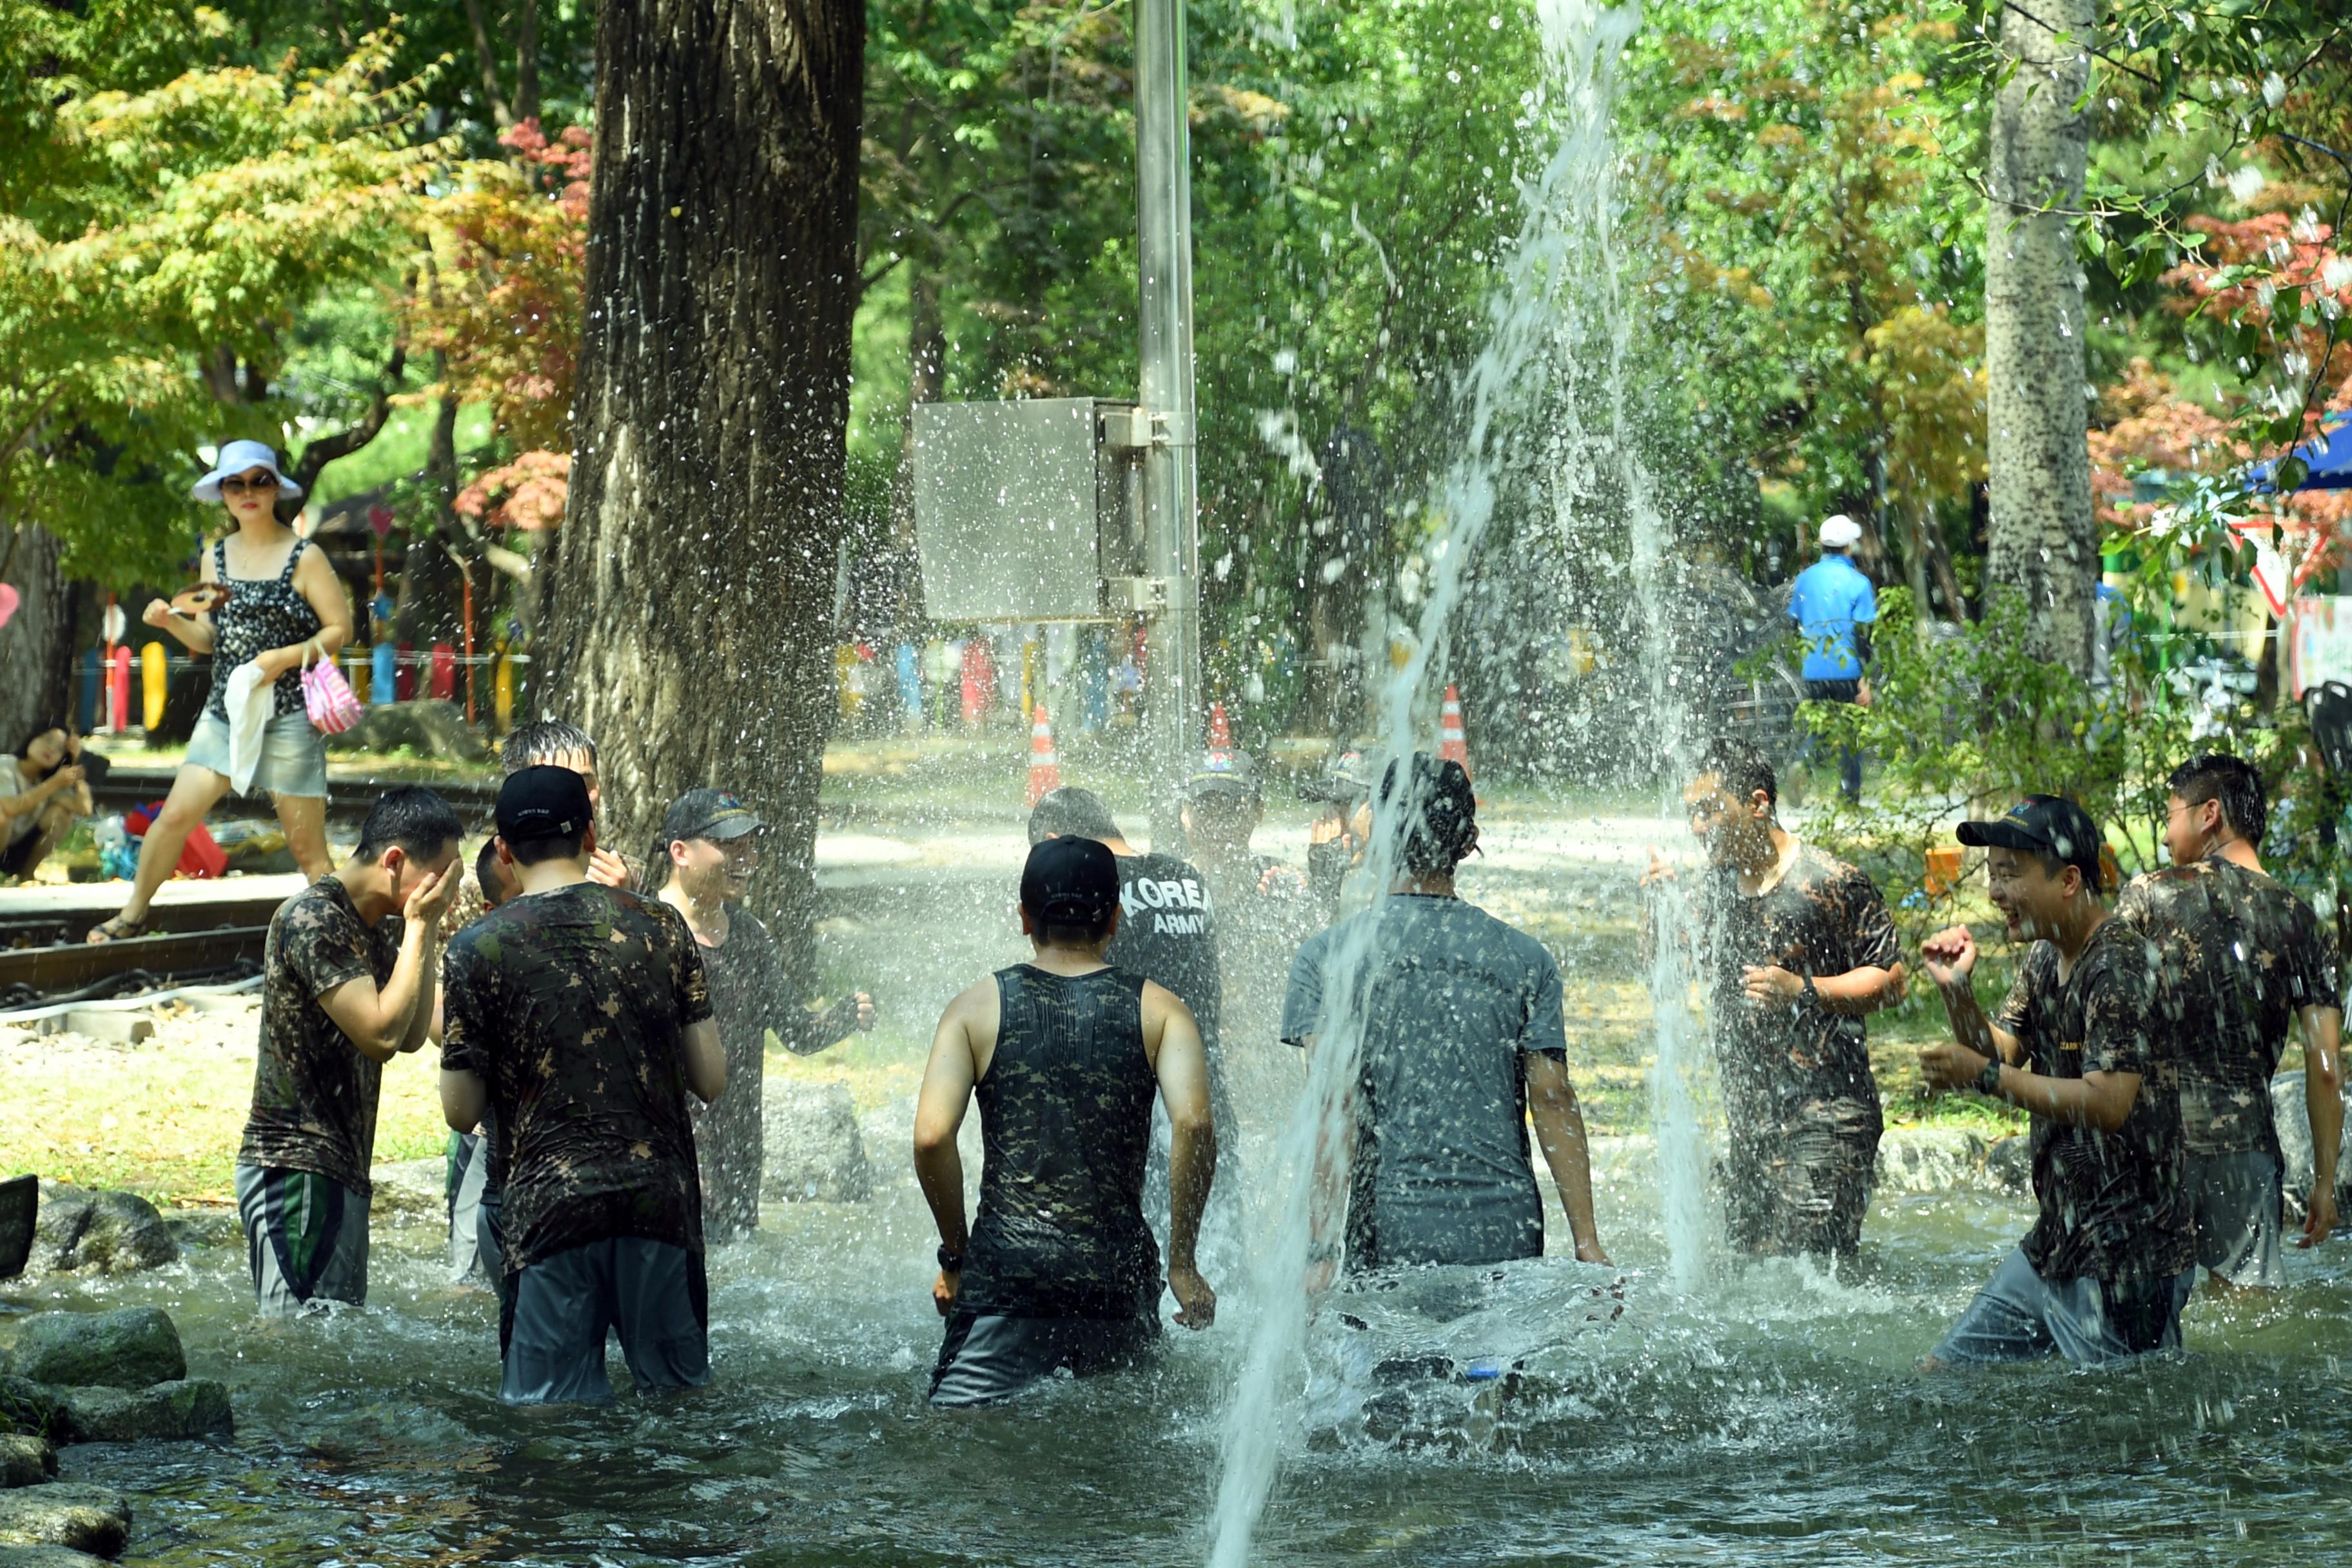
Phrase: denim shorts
(2019, 1316)
(293, 757)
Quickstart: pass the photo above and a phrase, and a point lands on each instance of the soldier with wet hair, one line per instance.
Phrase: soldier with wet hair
(556, 743)
(2107, 1267)
(2239, 959)
(1463, 1041)
(1796, 948)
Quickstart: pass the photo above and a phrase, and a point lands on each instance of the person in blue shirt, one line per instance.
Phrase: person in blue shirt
(1833, 606)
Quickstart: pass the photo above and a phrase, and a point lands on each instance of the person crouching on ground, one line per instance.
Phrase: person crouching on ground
(1464, 1040)
(2106, 1269)
(1064, 1053)
(578, 1014)
(43, 790)
(347, 985)
(711, 845)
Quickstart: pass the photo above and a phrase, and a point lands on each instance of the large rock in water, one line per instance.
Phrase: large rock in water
(813, 1152)
(47, 1557)
(26, 1407)
(131, 1347)
(25, 1460)
(177, 1411)
(2292, 1118)
(100, 1233)
(96, 1520)
(1929, 1159)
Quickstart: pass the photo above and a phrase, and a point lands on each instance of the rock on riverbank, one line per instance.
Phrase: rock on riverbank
(79, 1231)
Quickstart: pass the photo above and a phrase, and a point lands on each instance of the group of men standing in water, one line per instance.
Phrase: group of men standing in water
(581, 1021)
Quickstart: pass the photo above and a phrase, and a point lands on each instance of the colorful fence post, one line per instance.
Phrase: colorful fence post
(155, 683)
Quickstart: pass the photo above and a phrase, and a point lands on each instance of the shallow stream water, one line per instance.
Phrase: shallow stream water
(1775, 1417)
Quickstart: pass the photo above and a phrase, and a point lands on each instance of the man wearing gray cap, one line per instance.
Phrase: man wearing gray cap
(1833, 606)
(711, 848)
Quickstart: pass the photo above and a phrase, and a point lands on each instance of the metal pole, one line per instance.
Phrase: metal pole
(1164, 201)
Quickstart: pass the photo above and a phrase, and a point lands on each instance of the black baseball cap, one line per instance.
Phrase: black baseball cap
(2043, 825)
(1224, 771)
(543, 803)
(1070, 881)
(708, 814)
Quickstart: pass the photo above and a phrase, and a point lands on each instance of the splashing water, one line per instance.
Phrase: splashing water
(1562, 237)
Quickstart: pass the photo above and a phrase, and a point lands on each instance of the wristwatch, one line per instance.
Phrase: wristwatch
(1806, 993)
(950, 1262)
(1988, 1080)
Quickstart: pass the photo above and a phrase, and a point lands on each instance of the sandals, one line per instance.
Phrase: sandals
(119, 928)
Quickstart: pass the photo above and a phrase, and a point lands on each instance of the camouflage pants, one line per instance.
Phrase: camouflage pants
(1800, 1183)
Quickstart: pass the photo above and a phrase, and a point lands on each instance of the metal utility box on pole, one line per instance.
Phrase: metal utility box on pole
(1079, 509)
(1164, 199)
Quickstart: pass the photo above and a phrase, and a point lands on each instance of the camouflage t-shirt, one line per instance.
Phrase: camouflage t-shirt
(2237, 955)
(572, 1006)
(314, 1095)
(1822, 918)
(2113, 1203)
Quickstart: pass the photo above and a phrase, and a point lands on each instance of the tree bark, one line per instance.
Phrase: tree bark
(36, 645)
(493, 97)
(2045, 540)
(526, 104)
(430, 584)
(690, 625)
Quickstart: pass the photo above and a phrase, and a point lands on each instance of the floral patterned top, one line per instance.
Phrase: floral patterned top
(261, 613)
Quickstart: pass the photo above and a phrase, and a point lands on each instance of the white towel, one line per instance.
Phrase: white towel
(249, 700)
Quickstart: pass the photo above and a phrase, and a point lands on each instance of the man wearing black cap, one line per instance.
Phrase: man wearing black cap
(1463, 1041)
(710, 845)
(1167, 933)
(578, 1014)
(1797, 949)
(2107, 1267)
(1065, 1054)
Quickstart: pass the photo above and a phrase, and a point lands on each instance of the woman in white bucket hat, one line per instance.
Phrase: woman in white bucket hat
(285, 606)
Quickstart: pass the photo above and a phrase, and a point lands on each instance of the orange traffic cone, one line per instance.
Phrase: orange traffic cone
(1221, 733)
(1045, 767)
(1452, 745)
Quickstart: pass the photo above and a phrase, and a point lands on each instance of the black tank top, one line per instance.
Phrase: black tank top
(1065, 1123)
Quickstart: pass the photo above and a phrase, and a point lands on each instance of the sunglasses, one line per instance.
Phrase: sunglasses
(267, 482)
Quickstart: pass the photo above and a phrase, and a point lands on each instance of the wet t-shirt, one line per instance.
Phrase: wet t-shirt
(314, 1095)
(1065, 1126)
(1781, 1061)
(572, 1006)
(2237, 953)
(2113, 1207)
(1168, 934)
(1452, 1001)
(749, 997)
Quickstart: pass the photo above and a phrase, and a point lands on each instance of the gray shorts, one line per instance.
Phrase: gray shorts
(306, 1240)
(555, 1315)
(985, 1358)
(1802, 1184)
(2234, 1200)
(293, 757)
(473, 1248)
(2021, 1316)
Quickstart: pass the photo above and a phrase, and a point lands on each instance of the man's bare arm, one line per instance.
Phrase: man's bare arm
(706, 1060)
(464, 1098)
(1181, 1064)
(2323, 1096)
(948, 1079)
(381, 1024)
(1559, 1133)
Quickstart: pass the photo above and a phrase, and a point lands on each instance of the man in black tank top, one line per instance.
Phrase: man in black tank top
(1064, 1053)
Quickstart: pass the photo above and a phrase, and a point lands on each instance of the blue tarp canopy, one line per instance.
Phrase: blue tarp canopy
(2328, 454)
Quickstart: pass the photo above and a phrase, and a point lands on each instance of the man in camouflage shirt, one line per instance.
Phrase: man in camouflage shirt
(711, 845)
(1797, 947)
(347, 985)
(2240, 958)
(577, 1013)
(2106, 1269)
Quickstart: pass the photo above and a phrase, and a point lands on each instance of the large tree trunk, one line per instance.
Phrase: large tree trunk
(2044, 540)
(690, 626)
(36, 645)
